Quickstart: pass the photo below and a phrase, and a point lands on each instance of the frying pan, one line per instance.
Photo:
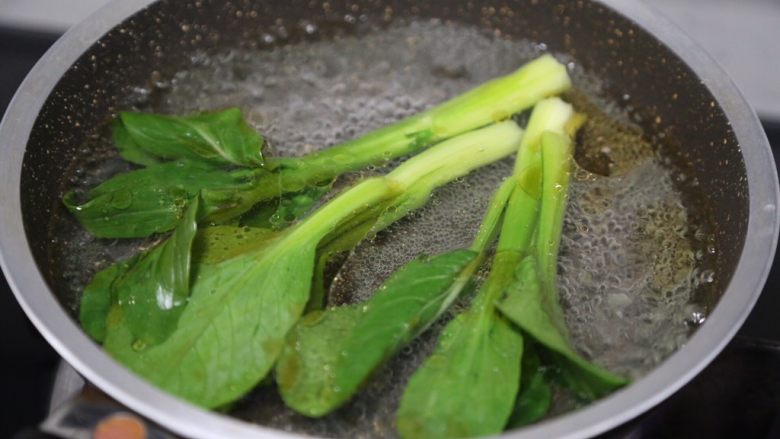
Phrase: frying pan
(80, 81)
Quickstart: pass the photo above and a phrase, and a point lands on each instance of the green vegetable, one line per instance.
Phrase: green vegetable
(149, 200)
(151, 287)
(455, 393)
(208, 312)
(468, 386)
(98, 297)
(152, 293)
(539, 315)
(240, 310)
(146, 139)
(532, 301)
(331, 353)
(490, 102)
(220, 138)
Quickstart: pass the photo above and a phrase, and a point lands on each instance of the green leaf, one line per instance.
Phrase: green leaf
(98, 297)
(327, 358)
(413, 298)
(538, 313)
(150, 200)
(232, 330)
(210, 246)
(468, 386)
(153, 293)
(306, 367)
(128, 149)
(221, 138)
(535, 397)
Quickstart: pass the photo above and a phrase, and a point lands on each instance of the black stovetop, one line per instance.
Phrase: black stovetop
(738, 395)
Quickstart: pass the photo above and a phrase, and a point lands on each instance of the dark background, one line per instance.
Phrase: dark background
(738, 395)
(28, 365)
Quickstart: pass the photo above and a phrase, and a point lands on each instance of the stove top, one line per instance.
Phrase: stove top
(737, 395)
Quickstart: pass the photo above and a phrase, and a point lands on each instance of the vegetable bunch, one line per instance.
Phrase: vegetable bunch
(470, 385)
(211, 310)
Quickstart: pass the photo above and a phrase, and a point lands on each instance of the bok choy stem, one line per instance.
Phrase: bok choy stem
(490, 102)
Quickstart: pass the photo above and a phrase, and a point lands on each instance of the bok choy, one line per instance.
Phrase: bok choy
(200, 154)
(330, 354)
(469, 386)
(240, 309)
(237, 288)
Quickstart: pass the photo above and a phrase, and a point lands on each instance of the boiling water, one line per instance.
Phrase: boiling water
(629, 262)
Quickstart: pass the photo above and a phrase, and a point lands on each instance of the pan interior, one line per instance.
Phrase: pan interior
(369, 67)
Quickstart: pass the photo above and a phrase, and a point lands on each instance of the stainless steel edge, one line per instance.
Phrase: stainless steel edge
(185, 419)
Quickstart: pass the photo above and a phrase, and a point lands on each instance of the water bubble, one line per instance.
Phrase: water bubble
(696, 318)
(707, 276)
(268, 38)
